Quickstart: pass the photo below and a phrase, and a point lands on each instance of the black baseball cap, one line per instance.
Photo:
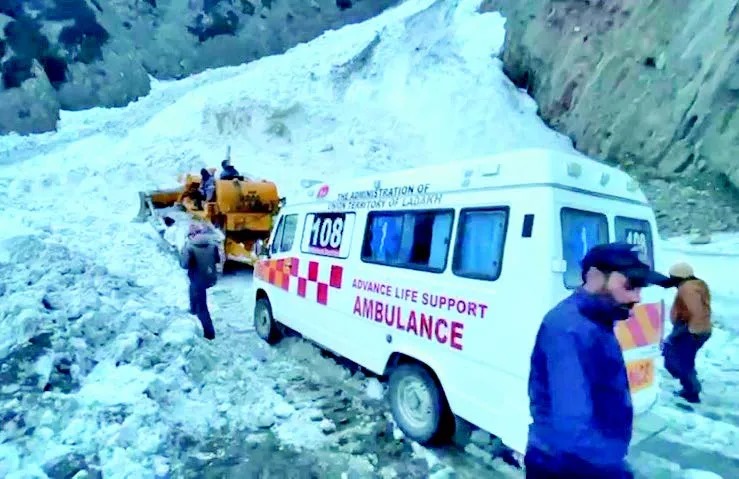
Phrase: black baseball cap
(623, 258)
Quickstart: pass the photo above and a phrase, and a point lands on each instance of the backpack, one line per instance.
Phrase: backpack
(205, 264)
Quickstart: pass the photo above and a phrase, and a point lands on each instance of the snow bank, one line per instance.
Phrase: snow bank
(100, 372)
(418, 84)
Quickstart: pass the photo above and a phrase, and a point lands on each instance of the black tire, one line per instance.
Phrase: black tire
(264, 323)
(431, 424)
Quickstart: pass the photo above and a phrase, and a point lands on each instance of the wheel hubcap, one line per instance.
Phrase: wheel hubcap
(263, 322)
(414, 402)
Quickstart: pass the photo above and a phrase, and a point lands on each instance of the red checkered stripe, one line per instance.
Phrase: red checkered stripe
(285, 273)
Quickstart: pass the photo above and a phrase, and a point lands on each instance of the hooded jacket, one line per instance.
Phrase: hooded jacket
(578, 387)
(200, 256)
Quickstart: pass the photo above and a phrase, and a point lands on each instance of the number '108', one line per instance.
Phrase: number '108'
(326, 232)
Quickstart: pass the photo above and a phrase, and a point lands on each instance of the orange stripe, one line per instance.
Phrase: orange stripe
(624, 336)
(654, 311)
(642, 317)
(636, 331)
(639, 330)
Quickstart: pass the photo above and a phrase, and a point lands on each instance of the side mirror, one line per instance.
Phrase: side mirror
(261, 249)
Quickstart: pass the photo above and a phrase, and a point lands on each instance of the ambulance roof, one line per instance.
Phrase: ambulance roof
(533, 167)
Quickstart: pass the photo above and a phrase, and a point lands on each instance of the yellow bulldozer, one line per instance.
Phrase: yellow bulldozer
(239, 214)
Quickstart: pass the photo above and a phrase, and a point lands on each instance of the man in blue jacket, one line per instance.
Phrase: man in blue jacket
(578, 388)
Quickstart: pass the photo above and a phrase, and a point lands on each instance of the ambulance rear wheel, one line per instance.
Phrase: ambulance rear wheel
(419, 405)
(264, 323)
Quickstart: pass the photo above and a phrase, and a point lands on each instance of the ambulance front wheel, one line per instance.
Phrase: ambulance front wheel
(264, 323)
(419, 405)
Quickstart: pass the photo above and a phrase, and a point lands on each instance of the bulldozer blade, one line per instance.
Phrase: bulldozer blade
(146, 208)
(151, 201)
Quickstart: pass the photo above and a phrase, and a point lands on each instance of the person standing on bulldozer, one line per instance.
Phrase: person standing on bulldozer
(207, 185)
(229, 171)
(200, 257)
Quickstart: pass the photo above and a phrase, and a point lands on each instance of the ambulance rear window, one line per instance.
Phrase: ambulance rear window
(637, 232)
(581, 230)
(480, 239)
(408, 239)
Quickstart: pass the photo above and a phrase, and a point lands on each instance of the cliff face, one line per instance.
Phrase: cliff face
(79, 54)
(648, 84)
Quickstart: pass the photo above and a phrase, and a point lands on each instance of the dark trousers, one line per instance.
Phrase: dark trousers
(679, 351)
(540, 465)
(199, 307)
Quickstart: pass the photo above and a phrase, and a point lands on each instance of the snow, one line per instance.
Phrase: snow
(135, 390)
(374, 389)
(130, 381)
(699, 474)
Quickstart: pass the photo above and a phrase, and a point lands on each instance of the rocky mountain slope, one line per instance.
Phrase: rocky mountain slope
(78, 54)
(648, 84)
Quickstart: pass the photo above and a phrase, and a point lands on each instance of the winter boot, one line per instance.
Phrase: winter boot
(691, 397)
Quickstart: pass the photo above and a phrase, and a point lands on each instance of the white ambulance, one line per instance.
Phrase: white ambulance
(438, 278)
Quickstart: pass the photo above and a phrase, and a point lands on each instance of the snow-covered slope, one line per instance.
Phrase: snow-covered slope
(131, 387)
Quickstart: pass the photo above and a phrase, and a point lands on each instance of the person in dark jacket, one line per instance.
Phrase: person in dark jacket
(579, 393)
(229, 171)
(207, 185)
(200, 257)
(691, 328)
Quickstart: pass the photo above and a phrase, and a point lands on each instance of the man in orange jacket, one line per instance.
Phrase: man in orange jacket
(691, 328)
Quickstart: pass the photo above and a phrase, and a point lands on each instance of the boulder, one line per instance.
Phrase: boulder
(104, 68)
(647, 84)
(178, 38)
(58, 54)
(32, 106)
(27, 100)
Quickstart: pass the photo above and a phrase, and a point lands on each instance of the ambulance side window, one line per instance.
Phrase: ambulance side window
(278, 236)
(285, 234)
(288, 233)
(581, 230)
(408, 239)
(481, 234)
(636, 232)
